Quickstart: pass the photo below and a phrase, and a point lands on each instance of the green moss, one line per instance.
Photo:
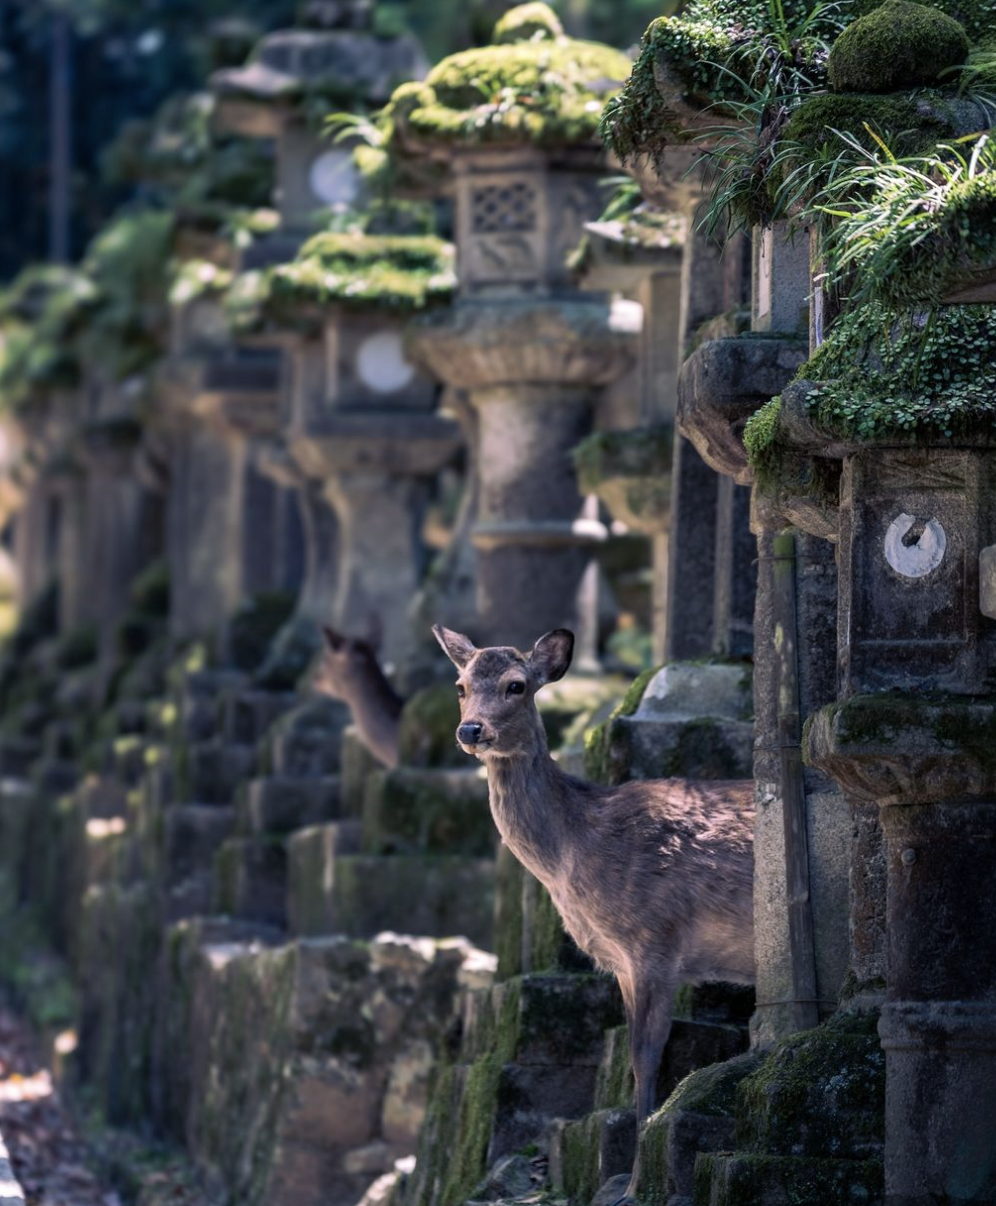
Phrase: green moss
(410, 811)
(77, 648)
(779, 470)
(352, 271)
(40, 314)
(598, 760)
(549, 92)
(640, 452)
(749, 1179)
(898, 45)
(818, 1093)
(467, 1159)
(429, 721)
(527, 23)
(916, 379)
(909, 122)
(148, 593)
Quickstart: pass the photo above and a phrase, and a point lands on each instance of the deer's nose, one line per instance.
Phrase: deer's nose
(469, 733)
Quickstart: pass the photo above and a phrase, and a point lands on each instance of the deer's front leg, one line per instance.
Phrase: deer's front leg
(648, 1012)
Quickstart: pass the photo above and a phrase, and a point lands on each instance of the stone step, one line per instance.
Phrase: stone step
(209, 772)
(558, 1019)
(192, 836)
(306, 740)
(697, 1117)
(761, 1180)
(280, 804)
(691, 1045)
(17, 756)
(587, 1153)
(820, 1092)
(250, 880)
(408, 810)
(358, 764)
(55, 777)
(311, 855)
(361, 895)
(247, 714)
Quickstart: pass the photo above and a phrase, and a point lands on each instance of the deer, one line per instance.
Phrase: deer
(349, 671)
(653, 879)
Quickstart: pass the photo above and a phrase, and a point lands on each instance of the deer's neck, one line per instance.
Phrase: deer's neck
(533, 809)
(376, 712)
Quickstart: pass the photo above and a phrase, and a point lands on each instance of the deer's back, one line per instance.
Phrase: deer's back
(662, 871)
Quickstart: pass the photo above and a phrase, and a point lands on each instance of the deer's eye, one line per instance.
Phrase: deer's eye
(515, 688)
(461, 692)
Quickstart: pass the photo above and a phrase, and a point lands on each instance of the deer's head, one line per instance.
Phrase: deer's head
(345, 666)
(496, 686)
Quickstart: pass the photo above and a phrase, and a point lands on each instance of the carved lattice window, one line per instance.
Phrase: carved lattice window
(504, 208)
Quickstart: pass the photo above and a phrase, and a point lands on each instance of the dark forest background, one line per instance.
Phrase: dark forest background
(126, 56)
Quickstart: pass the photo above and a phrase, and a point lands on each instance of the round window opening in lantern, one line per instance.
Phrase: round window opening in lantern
(381, 363)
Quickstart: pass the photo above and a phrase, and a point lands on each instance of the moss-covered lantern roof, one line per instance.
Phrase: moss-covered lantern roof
(352, 271)
(532, 85)
(695, 68)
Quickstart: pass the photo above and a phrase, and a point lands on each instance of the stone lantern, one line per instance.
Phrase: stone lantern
(529, 350)
(230, 529)
(639, 257)
(293, 78)
(361, 426)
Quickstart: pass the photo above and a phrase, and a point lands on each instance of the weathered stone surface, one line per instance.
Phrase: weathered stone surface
(722, 384)
(429, 721)
(434, 811)
(758, 1180)
(306, 740)
(208, 772)
(246, 715)
(895, 748)
(698, 1117)
(358, 764)
(11, 1193)
(251, 880)
(281, 804)
(311, 870)
(586, 1154)
(439, 895)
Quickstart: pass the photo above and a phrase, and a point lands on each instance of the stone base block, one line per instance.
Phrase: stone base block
(698, 1117)
(193, 834)
(701, 748)
(311, 856)
(213, 770)
(358, 764)
(251, 880)
(407, 811)
(306, 740)
(752, 1180)
(17, 755)
(585, 1154)
(246, 715)
(555, 1019)
(438, 895)
(279, 804)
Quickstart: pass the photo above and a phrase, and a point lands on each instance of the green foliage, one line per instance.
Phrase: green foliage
(40, 316)
(719, 53)
(761, 441)
(930, 375)
(549, 92)
(919, 227)
(900, 44)
(353, 270)
(526, 23)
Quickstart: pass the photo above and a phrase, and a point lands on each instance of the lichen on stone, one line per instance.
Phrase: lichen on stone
(526, 23)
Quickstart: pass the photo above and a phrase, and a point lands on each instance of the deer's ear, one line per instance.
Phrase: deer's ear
(458, 648)
(551, 655)
(335, 640)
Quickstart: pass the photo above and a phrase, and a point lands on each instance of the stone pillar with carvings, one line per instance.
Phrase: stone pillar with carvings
(531, 352)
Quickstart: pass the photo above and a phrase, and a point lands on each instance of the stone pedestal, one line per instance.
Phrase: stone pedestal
(913, 735)
(230, 529)
(530, 369)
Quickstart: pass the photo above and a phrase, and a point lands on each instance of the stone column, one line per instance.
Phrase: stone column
(530, 369)
(913, 734)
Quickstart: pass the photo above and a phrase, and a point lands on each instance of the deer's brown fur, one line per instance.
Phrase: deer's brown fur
(653, 879)
(349, 671)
